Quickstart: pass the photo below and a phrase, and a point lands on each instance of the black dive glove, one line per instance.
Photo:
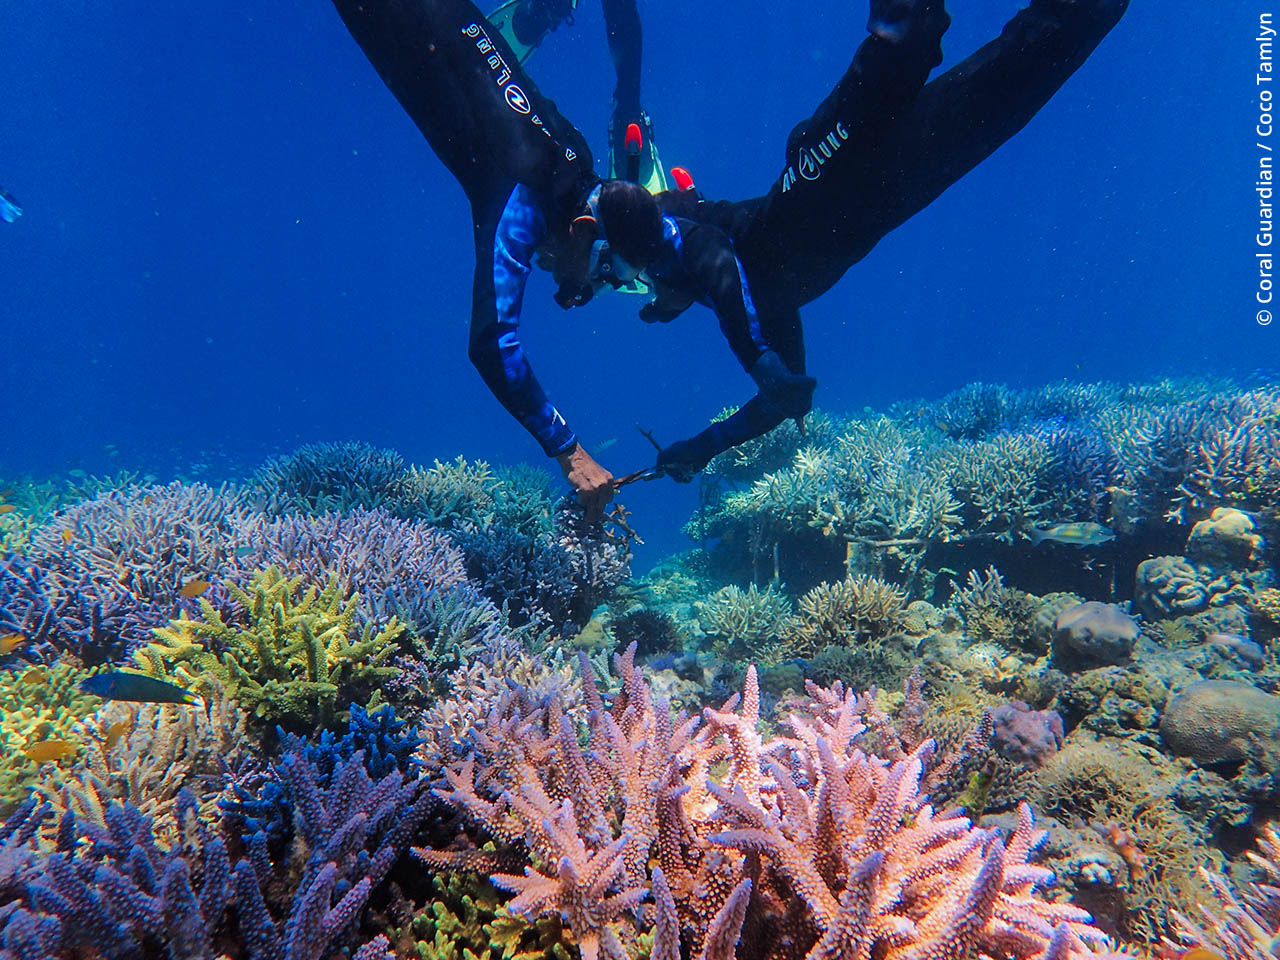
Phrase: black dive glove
(685, 459)
(783, 396)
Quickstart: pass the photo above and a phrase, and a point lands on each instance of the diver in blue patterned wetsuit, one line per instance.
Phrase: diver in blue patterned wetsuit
(882, 146)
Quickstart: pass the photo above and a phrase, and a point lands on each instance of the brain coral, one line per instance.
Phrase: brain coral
(1216, 720)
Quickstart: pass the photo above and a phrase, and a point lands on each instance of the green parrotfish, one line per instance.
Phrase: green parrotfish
(136, 687)
(1072, 534)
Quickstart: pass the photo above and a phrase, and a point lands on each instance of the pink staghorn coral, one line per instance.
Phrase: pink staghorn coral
(1245, 926)
(805, 846)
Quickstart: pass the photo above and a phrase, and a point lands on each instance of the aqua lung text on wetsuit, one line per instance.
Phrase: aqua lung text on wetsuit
(812, 159)
(1266, 179)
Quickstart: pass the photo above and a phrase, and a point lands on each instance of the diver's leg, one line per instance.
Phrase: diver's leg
(622, 27)
(963, 116)
(459, 82)
(886, 75)
(808, 232)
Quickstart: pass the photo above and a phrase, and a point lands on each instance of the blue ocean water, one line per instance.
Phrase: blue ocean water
(235, 241)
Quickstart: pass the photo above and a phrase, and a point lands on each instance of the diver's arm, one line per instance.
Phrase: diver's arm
(497, 297)
(783, 396)
(716, 274)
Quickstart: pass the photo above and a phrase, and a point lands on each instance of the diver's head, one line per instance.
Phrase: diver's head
(617, 236)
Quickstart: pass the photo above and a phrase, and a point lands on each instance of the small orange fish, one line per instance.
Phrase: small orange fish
(47, 751)
(34, 675)
(1201, 953)
(7, 508)
(67, 536)
(194, 588)
(114, 733)
(11, 642)
(148, 501)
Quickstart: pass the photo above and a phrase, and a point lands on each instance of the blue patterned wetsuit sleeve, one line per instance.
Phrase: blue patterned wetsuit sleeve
(495, 346)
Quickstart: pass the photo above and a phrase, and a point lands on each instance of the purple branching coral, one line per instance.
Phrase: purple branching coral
(751, 849)
(1245, 925)
(108, 890)
(385, 559)
(101, 574)
(319, 477)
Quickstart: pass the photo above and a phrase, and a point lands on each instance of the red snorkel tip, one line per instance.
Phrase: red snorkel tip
(635, 139)
(682, 177)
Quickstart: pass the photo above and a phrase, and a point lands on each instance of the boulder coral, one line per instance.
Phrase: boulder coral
(1092, 634)
(1213, 721)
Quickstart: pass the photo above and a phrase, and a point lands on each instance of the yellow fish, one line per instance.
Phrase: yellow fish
(114, 733)
(7, 508)
(1201, 953)
(194, 588)
(67, 536)
(11, 642)
(47, 751)
(34, 675)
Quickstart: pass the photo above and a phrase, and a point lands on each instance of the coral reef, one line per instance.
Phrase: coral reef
(292, 654)
(319, 477)
(385, 656)
(101, 574)
(749, 623)
(824, 865)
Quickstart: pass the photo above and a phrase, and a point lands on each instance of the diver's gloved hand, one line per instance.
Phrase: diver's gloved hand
(654, 312)
(789, 393)
(685, 459)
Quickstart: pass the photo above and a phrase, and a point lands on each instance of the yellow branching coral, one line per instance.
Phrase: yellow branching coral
(297, 656)
(38, 705)
(854, 609)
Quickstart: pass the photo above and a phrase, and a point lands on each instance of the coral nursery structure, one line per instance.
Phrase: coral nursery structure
(989, 677)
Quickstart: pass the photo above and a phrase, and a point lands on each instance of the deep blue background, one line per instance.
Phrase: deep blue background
(235, 241)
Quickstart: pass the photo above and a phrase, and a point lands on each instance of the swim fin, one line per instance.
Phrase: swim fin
(524, 24)
(651, 175)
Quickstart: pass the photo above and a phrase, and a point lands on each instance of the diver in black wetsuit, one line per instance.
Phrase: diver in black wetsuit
(882, 146)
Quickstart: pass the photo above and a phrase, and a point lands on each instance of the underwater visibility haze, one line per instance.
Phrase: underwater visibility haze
(308, 649)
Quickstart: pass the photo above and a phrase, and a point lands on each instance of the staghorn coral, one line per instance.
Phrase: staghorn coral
(753, 623)
(857, 608)
(390, 563)
(101, 574)
(148, 754)
(1246, 923)
(319, 477)
(37, 704)
(804, 844)
(294, 656)
(994, 612)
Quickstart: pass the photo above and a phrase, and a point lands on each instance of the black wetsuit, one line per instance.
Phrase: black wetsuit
(881, 147)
